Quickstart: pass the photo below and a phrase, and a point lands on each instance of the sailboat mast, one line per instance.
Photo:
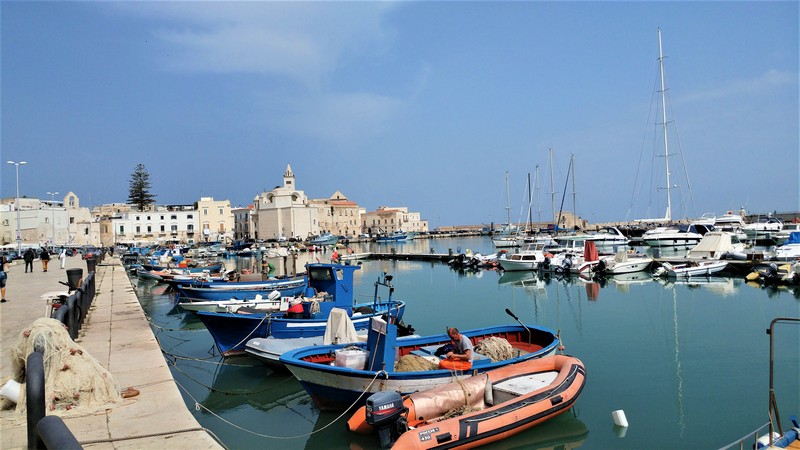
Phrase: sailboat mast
(574, 201)
(530, 203)
(668, 215)
(538, 195)
(552, 188)
(508, 204)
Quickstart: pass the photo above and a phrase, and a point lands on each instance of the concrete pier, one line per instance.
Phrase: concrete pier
(117, 334)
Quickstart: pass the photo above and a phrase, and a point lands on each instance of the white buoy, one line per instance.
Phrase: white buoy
(619, 418)
(11, 390)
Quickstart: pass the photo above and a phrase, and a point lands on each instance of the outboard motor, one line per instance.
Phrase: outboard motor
(385, 411)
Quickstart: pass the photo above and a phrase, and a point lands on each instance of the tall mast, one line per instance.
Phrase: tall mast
(508, 205)
(574, 204)
(530, 203)
(552, 188)
(668, 215)
(538, 195)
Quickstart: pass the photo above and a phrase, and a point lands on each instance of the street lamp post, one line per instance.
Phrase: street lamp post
(16, 205)
(53, 216)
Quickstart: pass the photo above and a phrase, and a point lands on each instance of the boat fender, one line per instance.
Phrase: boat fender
(488, 393)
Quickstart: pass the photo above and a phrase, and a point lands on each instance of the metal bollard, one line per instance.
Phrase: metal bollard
(34, 395)
(54, 433)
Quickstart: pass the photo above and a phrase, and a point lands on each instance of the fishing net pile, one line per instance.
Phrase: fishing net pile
(414, 363)
(496, 348)
(72, 378)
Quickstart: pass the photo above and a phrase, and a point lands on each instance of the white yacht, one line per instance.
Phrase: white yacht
(526, 259)
(675, 236)
(764, 229)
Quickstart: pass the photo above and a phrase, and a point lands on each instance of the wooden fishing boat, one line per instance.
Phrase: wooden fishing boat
(273, 302)
(338, 376)
(332, 285)
(477, 410)
(243, 290)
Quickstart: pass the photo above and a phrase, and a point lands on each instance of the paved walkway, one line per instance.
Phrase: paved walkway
(117, 334)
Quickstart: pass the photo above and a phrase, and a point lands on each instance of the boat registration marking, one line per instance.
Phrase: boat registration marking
(426, 435)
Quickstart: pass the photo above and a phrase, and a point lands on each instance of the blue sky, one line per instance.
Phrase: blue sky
(417, 104)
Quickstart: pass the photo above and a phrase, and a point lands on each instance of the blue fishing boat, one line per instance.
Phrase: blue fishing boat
(340, 376)
(331, 286)
(242, 290)
(394, 236)
(324, 239)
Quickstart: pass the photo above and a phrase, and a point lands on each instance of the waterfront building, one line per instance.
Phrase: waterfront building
(387, 219)
(284, 212)
(338, 215)
(48, 222)
(243, 222)
(215, 220)
(157, 225)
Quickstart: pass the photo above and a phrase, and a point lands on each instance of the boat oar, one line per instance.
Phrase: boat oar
(514, 316)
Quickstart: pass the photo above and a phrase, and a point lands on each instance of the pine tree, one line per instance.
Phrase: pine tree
(139, 190)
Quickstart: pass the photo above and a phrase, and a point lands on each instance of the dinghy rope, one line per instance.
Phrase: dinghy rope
(210, 388)
(198, 406)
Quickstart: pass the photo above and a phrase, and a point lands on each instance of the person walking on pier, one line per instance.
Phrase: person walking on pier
(3, 277)
(45, 257)
(28, 257)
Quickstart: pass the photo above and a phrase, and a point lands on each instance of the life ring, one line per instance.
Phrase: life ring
(455, 364)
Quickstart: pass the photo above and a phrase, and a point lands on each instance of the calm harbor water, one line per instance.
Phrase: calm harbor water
(687, 362)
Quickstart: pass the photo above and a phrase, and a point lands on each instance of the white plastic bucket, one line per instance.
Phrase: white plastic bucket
(11, 390)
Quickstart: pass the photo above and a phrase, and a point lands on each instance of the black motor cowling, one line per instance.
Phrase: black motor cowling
(385, 412)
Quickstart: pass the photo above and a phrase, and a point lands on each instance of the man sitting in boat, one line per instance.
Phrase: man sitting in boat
(463, 346)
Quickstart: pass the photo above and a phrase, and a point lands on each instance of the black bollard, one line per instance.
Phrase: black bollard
(34, 395)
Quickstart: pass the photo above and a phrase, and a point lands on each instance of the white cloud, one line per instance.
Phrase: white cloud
(764, 83)
(299, 40)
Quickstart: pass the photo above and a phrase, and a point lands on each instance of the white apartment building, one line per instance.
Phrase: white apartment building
(48, 223)
(162, 224)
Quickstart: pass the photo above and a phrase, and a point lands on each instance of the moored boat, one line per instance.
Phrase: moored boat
(324, 239)
(490, 406)
(338, 376)
(690, 269)
(244, 290)
(333, 284)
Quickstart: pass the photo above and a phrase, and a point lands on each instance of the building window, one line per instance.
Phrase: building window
(162, 228)
(138, 229)
(173, 217)
(221, 211)
(190, 217)
(122, 229)
(71, 220)
(149, 229)
(137, 217)
(148, 217)
(174, 228)
(205, 211)
(190, 228)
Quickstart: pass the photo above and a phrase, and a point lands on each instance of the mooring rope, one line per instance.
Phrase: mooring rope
(198, 406)
(149, 435)
(210, 388)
